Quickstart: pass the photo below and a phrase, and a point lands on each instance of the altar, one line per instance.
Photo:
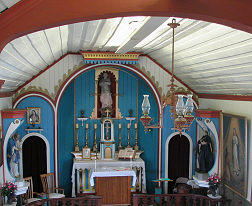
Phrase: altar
(113, 184)
(83, 170)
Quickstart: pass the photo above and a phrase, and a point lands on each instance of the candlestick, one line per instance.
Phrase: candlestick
(86, 145)
(77, 148)
(128, 126)
(95, 145)
(136, 145)
(119, 136)
(128, 136)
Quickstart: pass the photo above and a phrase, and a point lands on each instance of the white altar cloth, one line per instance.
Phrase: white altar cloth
(113, 173)
(97, 164)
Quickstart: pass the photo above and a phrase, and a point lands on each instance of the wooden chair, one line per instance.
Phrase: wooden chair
(28, 196)
(49, 188)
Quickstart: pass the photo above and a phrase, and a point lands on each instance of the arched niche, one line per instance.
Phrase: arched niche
(47, 150)
(167, 155)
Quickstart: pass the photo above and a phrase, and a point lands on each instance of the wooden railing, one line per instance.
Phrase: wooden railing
(177, 200)
(80, 201)
(139, 200)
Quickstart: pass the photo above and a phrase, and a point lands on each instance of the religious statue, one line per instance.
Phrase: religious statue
(13, 154)
(205, 153)
(105, 97)
(235, 149)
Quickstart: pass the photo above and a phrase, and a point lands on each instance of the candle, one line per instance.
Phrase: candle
(86, 126)
(128, 125)
(77, 126)
(95, 126)
(135, 125)
(119, 126)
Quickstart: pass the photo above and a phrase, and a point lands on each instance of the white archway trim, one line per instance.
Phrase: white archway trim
(47, 150)
(34, 95)
(167, 152)
(98, 65)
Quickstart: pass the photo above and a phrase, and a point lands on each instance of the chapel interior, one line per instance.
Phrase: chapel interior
(125, 99)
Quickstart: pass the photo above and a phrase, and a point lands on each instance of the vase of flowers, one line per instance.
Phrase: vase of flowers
(213, 182)
(8, 190)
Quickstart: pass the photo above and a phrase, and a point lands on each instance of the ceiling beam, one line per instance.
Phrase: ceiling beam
(226, 97)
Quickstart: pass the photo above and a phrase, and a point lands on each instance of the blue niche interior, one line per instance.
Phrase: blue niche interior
(131, 90)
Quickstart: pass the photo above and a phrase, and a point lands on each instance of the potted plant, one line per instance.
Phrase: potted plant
(213, 182)
(8, 190)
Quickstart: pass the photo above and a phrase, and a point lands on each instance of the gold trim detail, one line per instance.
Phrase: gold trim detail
(109, 56)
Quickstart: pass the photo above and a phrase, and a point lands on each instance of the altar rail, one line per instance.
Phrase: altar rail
(80, 201)
(177, 200)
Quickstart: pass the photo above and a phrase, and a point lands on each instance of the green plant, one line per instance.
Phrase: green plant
(8, 189)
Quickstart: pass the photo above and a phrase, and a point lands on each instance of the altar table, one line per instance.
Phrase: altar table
(82, 170)
(114, 186)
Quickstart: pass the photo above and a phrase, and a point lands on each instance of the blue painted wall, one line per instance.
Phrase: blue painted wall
(47, 122)
(129, 98)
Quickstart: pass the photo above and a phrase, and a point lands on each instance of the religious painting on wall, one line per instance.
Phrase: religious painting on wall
(234, 147)
(33, 115)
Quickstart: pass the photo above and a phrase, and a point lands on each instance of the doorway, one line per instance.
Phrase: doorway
(34, 160)
(178, 159)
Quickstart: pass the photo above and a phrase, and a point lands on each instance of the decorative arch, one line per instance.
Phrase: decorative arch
(167, 152)
(130, 68)
(47, 150)
(22, 24)
(34, 94)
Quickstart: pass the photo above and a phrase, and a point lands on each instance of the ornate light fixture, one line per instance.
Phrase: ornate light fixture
(182, 113)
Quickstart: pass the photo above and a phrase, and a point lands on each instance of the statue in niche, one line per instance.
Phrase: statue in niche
(205, 153)
(13, 155)
(105, 97)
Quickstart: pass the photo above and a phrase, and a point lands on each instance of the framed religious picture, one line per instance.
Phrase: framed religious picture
(234, 153)
(86, 153)
(33, 115)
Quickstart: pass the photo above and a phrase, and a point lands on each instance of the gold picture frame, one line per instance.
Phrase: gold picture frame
(234, 153)
(86, 153)
(33, 115)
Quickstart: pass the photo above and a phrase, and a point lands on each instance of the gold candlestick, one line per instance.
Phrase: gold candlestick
(120, 136)
(128, 127)
(86, 145)
(77, 148)
(136, 145)
(95, 145)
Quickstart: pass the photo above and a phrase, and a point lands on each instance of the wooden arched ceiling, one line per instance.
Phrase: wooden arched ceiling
(210, 58)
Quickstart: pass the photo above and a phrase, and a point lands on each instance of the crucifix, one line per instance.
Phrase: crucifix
(107, 130)
(107, 111)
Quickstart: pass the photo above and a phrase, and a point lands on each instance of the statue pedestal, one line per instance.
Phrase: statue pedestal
(201, 176)
(200, 179)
